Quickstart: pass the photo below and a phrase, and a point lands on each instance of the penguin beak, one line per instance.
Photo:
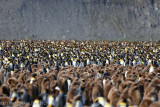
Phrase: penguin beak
(21, 91)
(95, 100)
(82, 81)
(44, 91)
(70, 100)
(60, 91)
(12, 99)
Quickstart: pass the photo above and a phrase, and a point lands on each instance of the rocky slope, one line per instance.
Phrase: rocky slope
(80, 19)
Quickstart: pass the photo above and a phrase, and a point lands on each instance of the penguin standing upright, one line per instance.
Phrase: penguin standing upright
(60, 99)
(14, 96)
(151, 68)
(24, 96)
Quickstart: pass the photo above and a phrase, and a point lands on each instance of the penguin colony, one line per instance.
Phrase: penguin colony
(50, 73)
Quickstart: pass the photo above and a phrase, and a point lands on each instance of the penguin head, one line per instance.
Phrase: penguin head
(22, 90)
(82, 86)
(82, 81)
(58, 89)
(32, 79)
(44, 91)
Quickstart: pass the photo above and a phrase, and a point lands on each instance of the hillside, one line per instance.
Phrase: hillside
(80, 19)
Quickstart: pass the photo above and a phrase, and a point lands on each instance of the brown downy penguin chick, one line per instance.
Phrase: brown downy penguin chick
(156, 83)
(19, 85)
(34, 70)
(19, 103)
(53, 70)
(125, 97)
(88, 89)
(150, 75)
(7, 77)
(62, 83)
(34, 67)
(145, 102)
(4, 100)
(70, 93)
(31, 87)
(152, 95)
(39, 81)
(53, 84)
(12, 82)
(149, 88)
(40, 66)
(147, 82)
(87, 95)
(124, 85)
(32, 90)
(1, 75)
(159, 96)
(155, 104)
(107, 88)
(75, 84)
(27, 74)
(16, 73)
(45, 84)
(21, 78)
(0, 83)
(27, 105)
(51, 76)
(136, 94)
(118, 82)
(97, 91)
(4, 89)
(113, 96)
(85, 91)
(115, 79)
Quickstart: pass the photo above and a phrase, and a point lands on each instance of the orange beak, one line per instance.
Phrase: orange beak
(12, 99)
